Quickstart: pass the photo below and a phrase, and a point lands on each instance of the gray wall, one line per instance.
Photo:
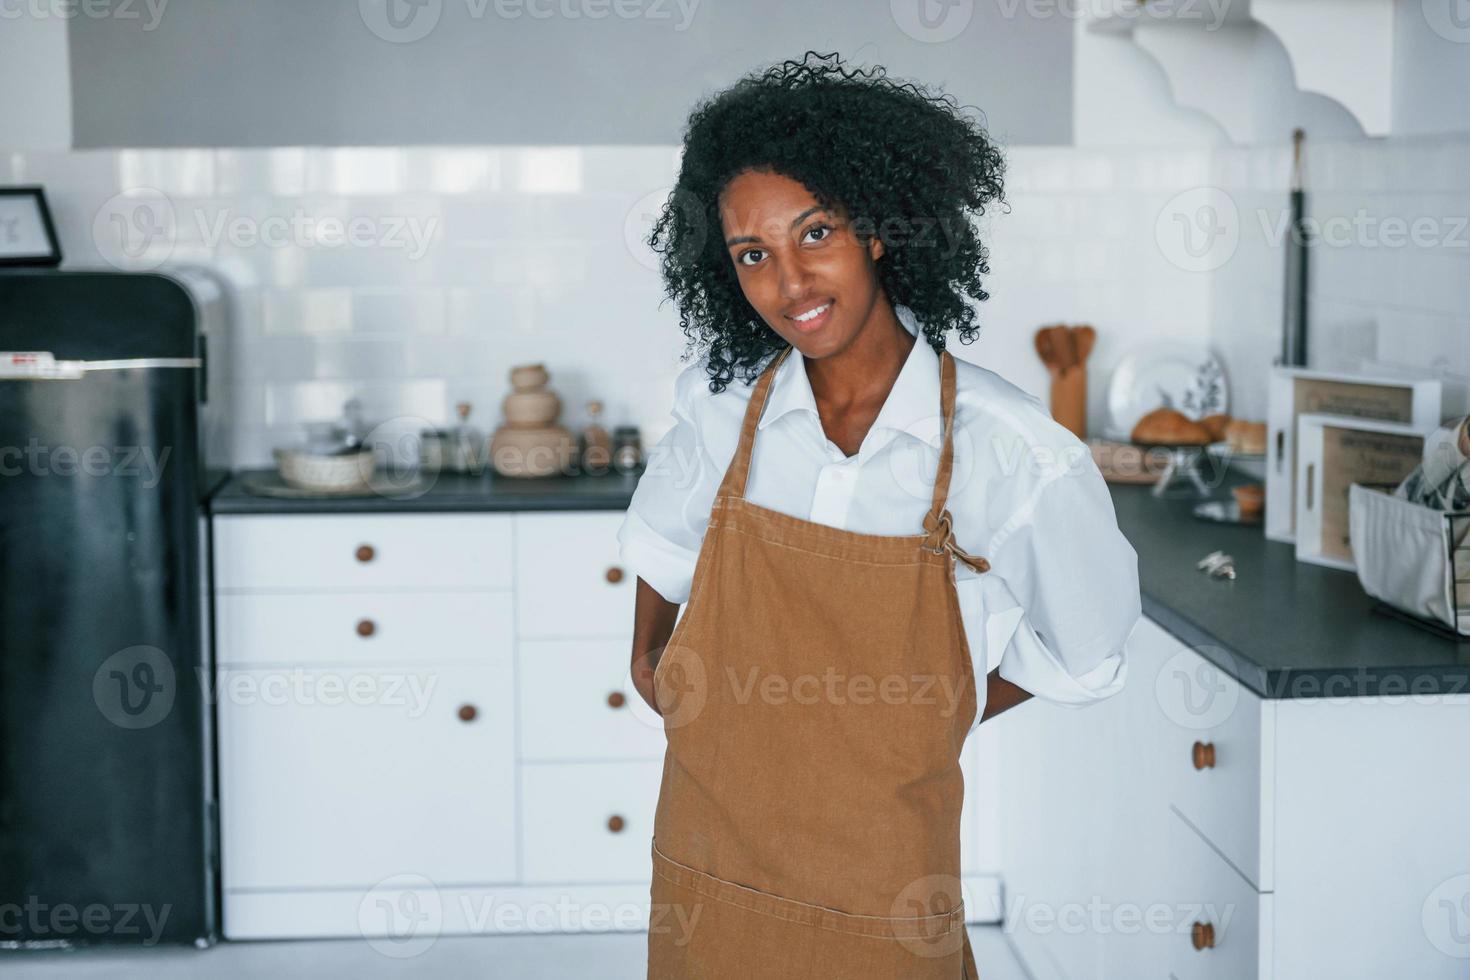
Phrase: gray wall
(313, 72)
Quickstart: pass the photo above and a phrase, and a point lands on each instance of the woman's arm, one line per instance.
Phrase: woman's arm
(653, 624)
(1001, 694)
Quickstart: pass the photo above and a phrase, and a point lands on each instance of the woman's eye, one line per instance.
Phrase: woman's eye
(825, 229)
(744, 256)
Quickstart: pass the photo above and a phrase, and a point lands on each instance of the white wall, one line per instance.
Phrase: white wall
(527, 257)
(35, 77)
(1379, 298)
(1431, 67)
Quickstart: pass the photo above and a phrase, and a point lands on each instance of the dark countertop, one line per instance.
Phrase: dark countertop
(443, 492)
(1283, 628)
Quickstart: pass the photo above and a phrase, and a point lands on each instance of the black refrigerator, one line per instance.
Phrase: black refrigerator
(107, 814)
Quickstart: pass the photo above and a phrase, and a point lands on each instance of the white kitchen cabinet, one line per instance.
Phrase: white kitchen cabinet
(388, 687)
(577, 704)
(588, 822)
(356, 628)
(1213, 764)
(1322, 824)
(1218, 925)
(568, 580)
(327, 552)
(341, 777)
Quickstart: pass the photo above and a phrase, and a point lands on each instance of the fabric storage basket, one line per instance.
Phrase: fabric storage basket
(1414, 558)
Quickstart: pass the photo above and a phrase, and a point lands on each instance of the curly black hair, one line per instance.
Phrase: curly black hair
(901, 161)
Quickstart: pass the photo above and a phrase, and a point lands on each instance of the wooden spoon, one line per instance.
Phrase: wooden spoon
(1086, 337)
(1060, 347)
(1045, 348)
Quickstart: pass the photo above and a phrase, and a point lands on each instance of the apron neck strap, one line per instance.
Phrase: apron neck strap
(946, 448)
(738, 472)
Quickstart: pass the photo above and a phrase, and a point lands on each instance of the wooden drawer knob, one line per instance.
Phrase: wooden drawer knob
(616, 699)
(365, 553)
(467, 712)
(1204, 755)
(614, 574)
(366, 627)
(1203, 935)
(615, 824)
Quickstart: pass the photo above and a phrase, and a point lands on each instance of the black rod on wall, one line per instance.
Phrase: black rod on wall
(1294, 312)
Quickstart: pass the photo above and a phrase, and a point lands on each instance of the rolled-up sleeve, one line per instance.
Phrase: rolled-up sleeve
(1064, 562)
(661, 534)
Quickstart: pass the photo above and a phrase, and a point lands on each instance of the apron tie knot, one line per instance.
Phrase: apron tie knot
(943, 526)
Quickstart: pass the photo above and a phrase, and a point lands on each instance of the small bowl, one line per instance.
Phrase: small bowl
(330, 472)
(1250, 498)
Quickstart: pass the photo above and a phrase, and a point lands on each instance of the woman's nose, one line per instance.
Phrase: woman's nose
(795, 279)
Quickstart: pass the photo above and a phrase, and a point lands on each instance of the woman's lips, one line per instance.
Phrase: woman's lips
(816, 322)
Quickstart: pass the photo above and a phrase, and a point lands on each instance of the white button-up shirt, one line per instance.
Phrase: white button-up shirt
(1061, 596)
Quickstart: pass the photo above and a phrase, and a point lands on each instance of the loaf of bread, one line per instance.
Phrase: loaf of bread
(1246, 437)
(1168, 427)
(1216, 425)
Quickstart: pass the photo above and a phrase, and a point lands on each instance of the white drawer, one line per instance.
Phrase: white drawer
(328, 628)
(340, 778)
(1213, 762)
(362, 551)
(588, 822)
(1220, 917)
(568, 580)
(577, 703)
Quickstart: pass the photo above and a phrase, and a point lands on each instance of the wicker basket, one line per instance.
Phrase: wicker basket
(1411, 557)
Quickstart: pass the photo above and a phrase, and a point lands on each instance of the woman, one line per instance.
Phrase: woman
(843, 529)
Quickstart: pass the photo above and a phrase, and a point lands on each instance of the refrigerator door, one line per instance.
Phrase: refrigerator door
(106, 832)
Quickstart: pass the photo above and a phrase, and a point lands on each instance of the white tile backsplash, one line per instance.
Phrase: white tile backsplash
(465, 261)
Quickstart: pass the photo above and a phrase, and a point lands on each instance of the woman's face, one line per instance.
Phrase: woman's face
(803, 268)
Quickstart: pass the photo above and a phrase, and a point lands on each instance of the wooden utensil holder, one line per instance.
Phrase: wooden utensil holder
(1069, 399)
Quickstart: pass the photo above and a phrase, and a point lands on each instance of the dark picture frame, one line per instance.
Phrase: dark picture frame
(13, 243)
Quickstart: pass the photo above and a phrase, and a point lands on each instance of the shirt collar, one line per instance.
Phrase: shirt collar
(912, 406)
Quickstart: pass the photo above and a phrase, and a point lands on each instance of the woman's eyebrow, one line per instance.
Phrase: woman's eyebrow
(741, 239)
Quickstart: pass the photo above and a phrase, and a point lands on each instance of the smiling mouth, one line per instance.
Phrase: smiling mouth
(813, 318)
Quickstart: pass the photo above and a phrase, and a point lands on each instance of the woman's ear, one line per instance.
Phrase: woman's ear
(875, 248)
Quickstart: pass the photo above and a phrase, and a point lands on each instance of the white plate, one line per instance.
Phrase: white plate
(1223, 448)
(1165, 375)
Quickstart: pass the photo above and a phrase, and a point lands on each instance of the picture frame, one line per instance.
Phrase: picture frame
(1333, 453)
(27, 233)
(1295, 391)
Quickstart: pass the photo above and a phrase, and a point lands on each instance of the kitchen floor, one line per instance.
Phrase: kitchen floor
(617, 956)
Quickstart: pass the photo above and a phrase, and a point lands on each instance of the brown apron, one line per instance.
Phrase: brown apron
(816, 696)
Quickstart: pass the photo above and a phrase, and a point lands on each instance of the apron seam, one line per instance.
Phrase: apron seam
(822, 554)
(872, 926)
